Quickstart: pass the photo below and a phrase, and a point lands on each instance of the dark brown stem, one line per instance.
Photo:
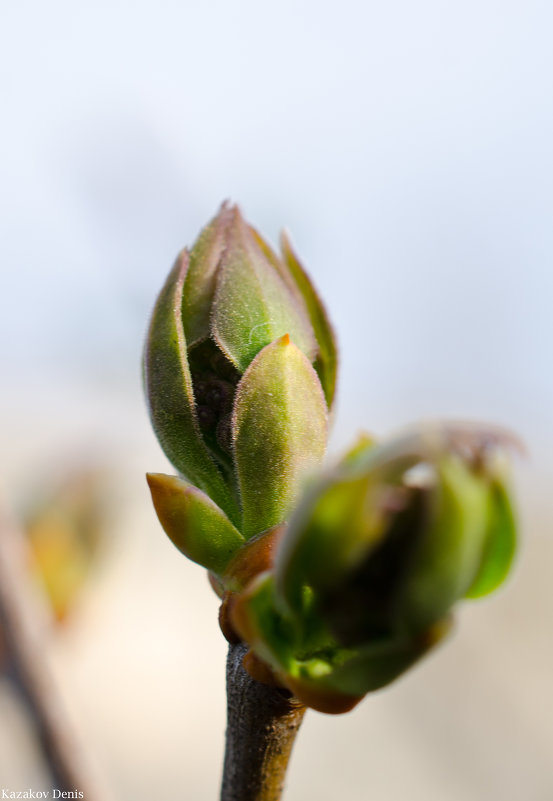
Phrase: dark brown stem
(262, 724)
(25, 663)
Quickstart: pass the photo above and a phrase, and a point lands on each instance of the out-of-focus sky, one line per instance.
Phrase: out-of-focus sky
(407, 148)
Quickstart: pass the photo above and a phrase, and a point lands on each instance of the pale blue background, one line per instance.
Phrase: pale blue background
(405, 145)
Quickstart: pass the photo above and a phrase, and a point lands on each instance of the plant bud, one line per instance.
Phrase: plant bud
(239, 370)
(339, 586)
(374, 559)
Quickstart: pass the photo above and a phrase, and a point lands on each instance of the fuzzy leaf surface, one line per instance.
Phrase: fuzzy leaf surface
(200, 279)
(253, 306)
(193, 523)
(326, 363)
(170, 395)
(279, 433)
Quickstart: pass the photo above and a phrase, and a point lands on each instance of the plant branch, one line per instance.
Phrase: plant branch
(262, 724)
(23, 656)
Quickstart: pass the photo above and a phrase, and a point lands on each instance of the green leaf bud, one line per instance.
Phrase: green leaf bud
(389, 542)
(339, 585)
(374, 559)
(241, 415)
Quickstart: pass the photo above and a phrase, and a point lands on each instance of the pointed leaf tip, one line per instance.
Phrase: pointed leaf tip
(253, 303)
(201, 276)
(326, 363)
(193, 523)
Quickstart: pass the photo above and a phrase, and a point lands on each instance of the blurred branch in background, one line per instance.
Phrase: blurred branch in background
(56, 550)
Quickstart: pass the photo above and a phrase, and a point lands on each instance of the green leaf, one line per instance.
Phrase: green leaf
(200, 279)
(499, 547)
(323, 537)
(326, 363)
(279, 433)
(448, 557)
(196, 525)
(372, 667)
(330, 668)
(253, 305)
(279, 266)
(339, 521)
(170, 396)
(259, 623)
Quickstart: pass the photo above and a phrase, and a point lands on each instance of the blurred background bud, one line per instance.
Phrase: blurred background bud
(66, 526)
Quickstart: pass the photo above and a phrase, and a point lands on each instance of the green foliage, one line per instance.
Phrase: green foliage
(376, 555)
(339, 580)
